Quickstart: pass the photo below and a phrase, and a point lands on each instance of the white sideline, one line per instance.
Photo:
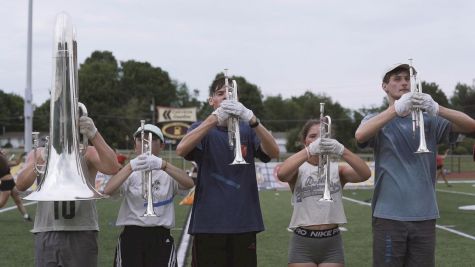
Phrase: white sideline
(437, 226)
(14, 207)
(455, 192)
(183, 247)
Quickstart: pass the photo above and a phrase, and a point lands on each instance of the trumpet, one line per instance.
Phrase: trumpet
(324, 160)
(147, 175)
(234, 135)
(417, 116)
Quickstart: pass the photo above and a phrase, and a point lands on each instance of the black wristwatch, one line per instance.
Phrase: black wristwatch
(255, 124)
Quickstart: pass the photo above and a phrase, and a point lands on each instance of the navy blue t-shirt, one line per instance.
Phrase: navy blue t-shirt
(226, 197)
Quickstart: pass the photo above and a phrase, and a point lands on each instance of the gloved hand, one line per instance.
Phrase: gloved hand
(403, 105)
(87, 127)
(146, 162)
(331, 146)
(314, 147)
(221, 115)
(425, 102)
(237, 108)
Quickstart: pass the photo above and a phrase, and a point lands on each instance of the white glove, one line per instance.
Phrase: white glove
(237, 108)
(403, 105)
(425, 102)
(221, 115)
(331, 146)
(146, 163)
(87, 127)
(314, 147)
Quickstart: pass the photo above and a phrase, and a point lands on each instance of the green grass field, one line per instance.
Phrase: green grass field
(452, 250)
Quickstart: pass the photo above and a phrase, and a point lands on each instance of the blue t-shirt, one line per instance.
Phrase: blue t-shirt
(226, 196)
(404, 180)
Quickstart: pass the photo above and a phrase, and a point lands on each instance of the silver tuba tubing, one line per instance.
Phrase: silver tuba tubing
(65, 175)
(324, 160)
(147, 175)
(417, 115)
(234, 134)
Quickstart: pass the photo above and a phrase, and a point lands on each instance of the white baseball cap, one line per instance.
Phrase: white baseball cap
(150, 128)
(395, 66)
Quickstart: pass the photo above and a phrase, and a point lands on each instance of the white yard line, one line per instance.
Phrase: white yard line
(14, 207)
(438, 226)
(183, 247)
(455, 192)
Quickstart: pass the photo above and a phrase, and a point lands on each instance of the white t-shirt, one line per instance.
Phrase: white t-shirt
(164, 188)
(308, 210)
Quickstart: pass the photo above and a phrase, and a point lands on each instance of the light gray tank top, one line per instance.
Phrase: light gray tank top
(308, 210)
(66, 216)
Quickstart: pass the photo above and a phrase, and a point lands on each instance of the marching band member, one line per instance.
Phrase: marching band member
(66, 231)
(146, 241)
(226, 214)
(404, 203)
(316, 240)
(7, 185)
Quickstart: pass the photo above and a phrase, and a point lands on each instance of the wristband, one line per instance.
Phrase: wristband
(255, 124)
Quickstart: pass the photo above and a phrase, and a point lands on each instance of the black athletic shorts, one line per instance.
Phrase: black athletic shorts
(145, 246)
(7, 185)
(224, 250)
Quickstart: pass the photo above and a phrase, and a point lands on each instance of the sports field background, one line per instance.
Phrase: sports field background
(16, 247)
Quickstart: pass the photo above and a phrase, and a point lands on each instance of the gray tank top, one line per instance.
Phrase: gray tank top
(308, 210)
(66, 216)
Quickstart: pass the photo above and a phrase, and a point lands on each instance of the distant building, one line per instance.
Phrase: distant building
(12, 139)
(15, 139)
(281, 140)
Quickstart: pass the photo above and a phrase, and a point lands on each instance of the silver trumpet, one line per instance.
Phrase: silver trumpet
(417, 116)
(324, 160)
(234, 135)
(64, 176)
(147, 175)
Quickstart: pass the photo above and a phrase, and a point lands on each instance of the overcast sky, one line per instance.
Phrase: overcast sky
(336, 47)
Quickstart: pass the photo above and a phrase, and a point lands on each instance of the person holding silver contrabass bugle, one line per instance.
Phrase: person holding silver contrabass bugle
(148, 185)
(317, 195)
(226, 212)
(404, 138)
(66, 222)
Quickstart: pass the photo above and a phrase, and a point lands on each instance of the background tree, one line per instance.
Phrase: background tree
(11, 112)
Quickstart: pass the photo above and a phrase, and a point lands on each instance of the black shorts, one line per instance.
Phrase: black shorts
(7, 185)
(439, 167)
(145, 246)
(224, 250)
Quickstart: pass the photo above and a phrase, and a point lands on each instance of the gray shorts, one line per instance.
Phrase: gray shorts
(316, 249)
(66, 248)
(401, 243)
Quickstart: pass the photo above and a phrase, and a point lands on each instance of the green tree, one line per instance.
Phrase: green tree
(11, 112)
(41, 117)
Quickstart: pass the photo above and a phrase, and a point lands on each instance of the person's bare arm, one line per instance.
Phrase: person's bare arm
(358, 170)
(191, 139)
(288, 170)
(101, 156)
(117, 180)
(461, 122)
(371, 127)
(184, 181)
(27, 175)
(268, 143)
